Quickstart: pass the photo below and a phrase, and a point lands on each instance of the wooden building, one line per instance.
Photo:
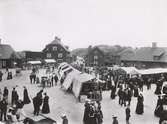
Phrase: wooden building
(56, 50)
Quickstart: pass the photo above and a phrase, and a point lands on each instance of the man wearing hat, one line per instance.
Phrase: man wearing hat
(64, 118)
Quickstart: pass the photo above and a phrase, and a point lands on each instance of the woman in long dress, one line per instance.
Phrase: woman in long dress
(140, 105)
(26, 98)
(46, 108)
(159, 107)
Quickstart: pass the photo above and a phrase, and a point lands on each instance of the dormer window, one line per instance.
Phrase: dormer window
(60, 55)
(49, 55)
(54, 48)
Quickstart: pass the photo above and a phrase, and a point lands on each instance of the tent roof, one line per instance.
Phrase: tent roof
(153, 71)
(130, 70)
(34, 62)
(84, 77)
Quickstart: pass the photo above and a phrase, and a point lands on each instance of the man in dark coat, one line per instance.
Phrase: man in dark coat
(129, 96)
(1, 74)
(56, 79)
(127, 111)
(40, 99)
(15, 96)
(36, 105)
(26, 98)
(5, 93)
(120, 94)
(3, 107)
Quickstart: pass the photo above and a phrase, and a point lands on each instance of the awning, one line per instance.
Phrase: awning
(34, 62)
(50, 60)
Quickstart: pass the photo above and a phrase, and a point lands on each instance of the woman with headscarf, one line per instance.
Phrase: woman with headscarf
(26, 98)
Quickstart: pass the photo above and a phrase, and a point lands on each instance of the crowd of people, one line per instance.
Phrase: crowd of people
(120, 85)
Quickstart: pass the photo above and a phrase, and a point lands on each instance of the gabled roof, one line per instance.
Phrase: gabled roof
(57, 41)
(147, 54)
(7, 52)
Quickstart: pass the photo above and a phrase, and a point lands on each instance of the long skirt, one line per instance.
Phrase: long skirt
(158, 110)
(45, 108)
(139, 108)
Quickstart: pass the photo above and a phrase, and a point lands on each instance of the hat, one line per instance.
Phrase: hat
(63, 115)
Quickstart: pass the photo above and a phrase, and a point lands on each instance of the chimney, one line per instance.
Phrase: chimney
(57, 39)
(89, 48)
(154, 44)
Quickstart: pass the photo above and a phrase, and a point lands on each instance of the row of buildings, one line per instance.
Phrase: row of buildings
(102, 55)
(55, 50)
(144, 57)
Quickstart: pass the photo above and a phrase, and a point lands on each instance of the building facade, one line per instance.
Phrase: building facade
(95, 57)
(57, 51)
(8, 57)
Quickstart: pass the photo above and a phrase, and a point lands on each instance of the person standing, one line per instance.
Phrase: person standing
(140, 106)
(5, 93)
(0, 95)
(56, 79)
(1, 75)
(120, 94)
(36, 105)
(46, 108)
(159, 107)
(64, 118)
(26, 98)
(113, 91)
(3, 107)
(40, 98)
(127, 111)
(15, 96)
(99, 115)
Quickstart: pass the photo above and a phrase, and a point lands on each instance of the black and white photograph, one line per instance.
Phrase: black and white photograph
(83, 61)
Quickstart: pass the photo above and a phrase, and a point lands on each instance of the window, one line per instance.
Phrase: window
(60, 55)
(95, 63)
(48, 55)
(61, 49)
(54, 48)
(96, 57)
(156, 58)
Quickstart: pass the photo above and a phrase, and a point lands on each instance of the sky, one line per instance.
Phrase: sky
(31, 24)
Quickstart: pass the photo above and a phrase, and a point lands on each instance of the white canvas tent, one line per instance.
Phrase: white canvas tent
(130, 70)
(34, 62)
(78, 82)
(153, 71)
(69, 79)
